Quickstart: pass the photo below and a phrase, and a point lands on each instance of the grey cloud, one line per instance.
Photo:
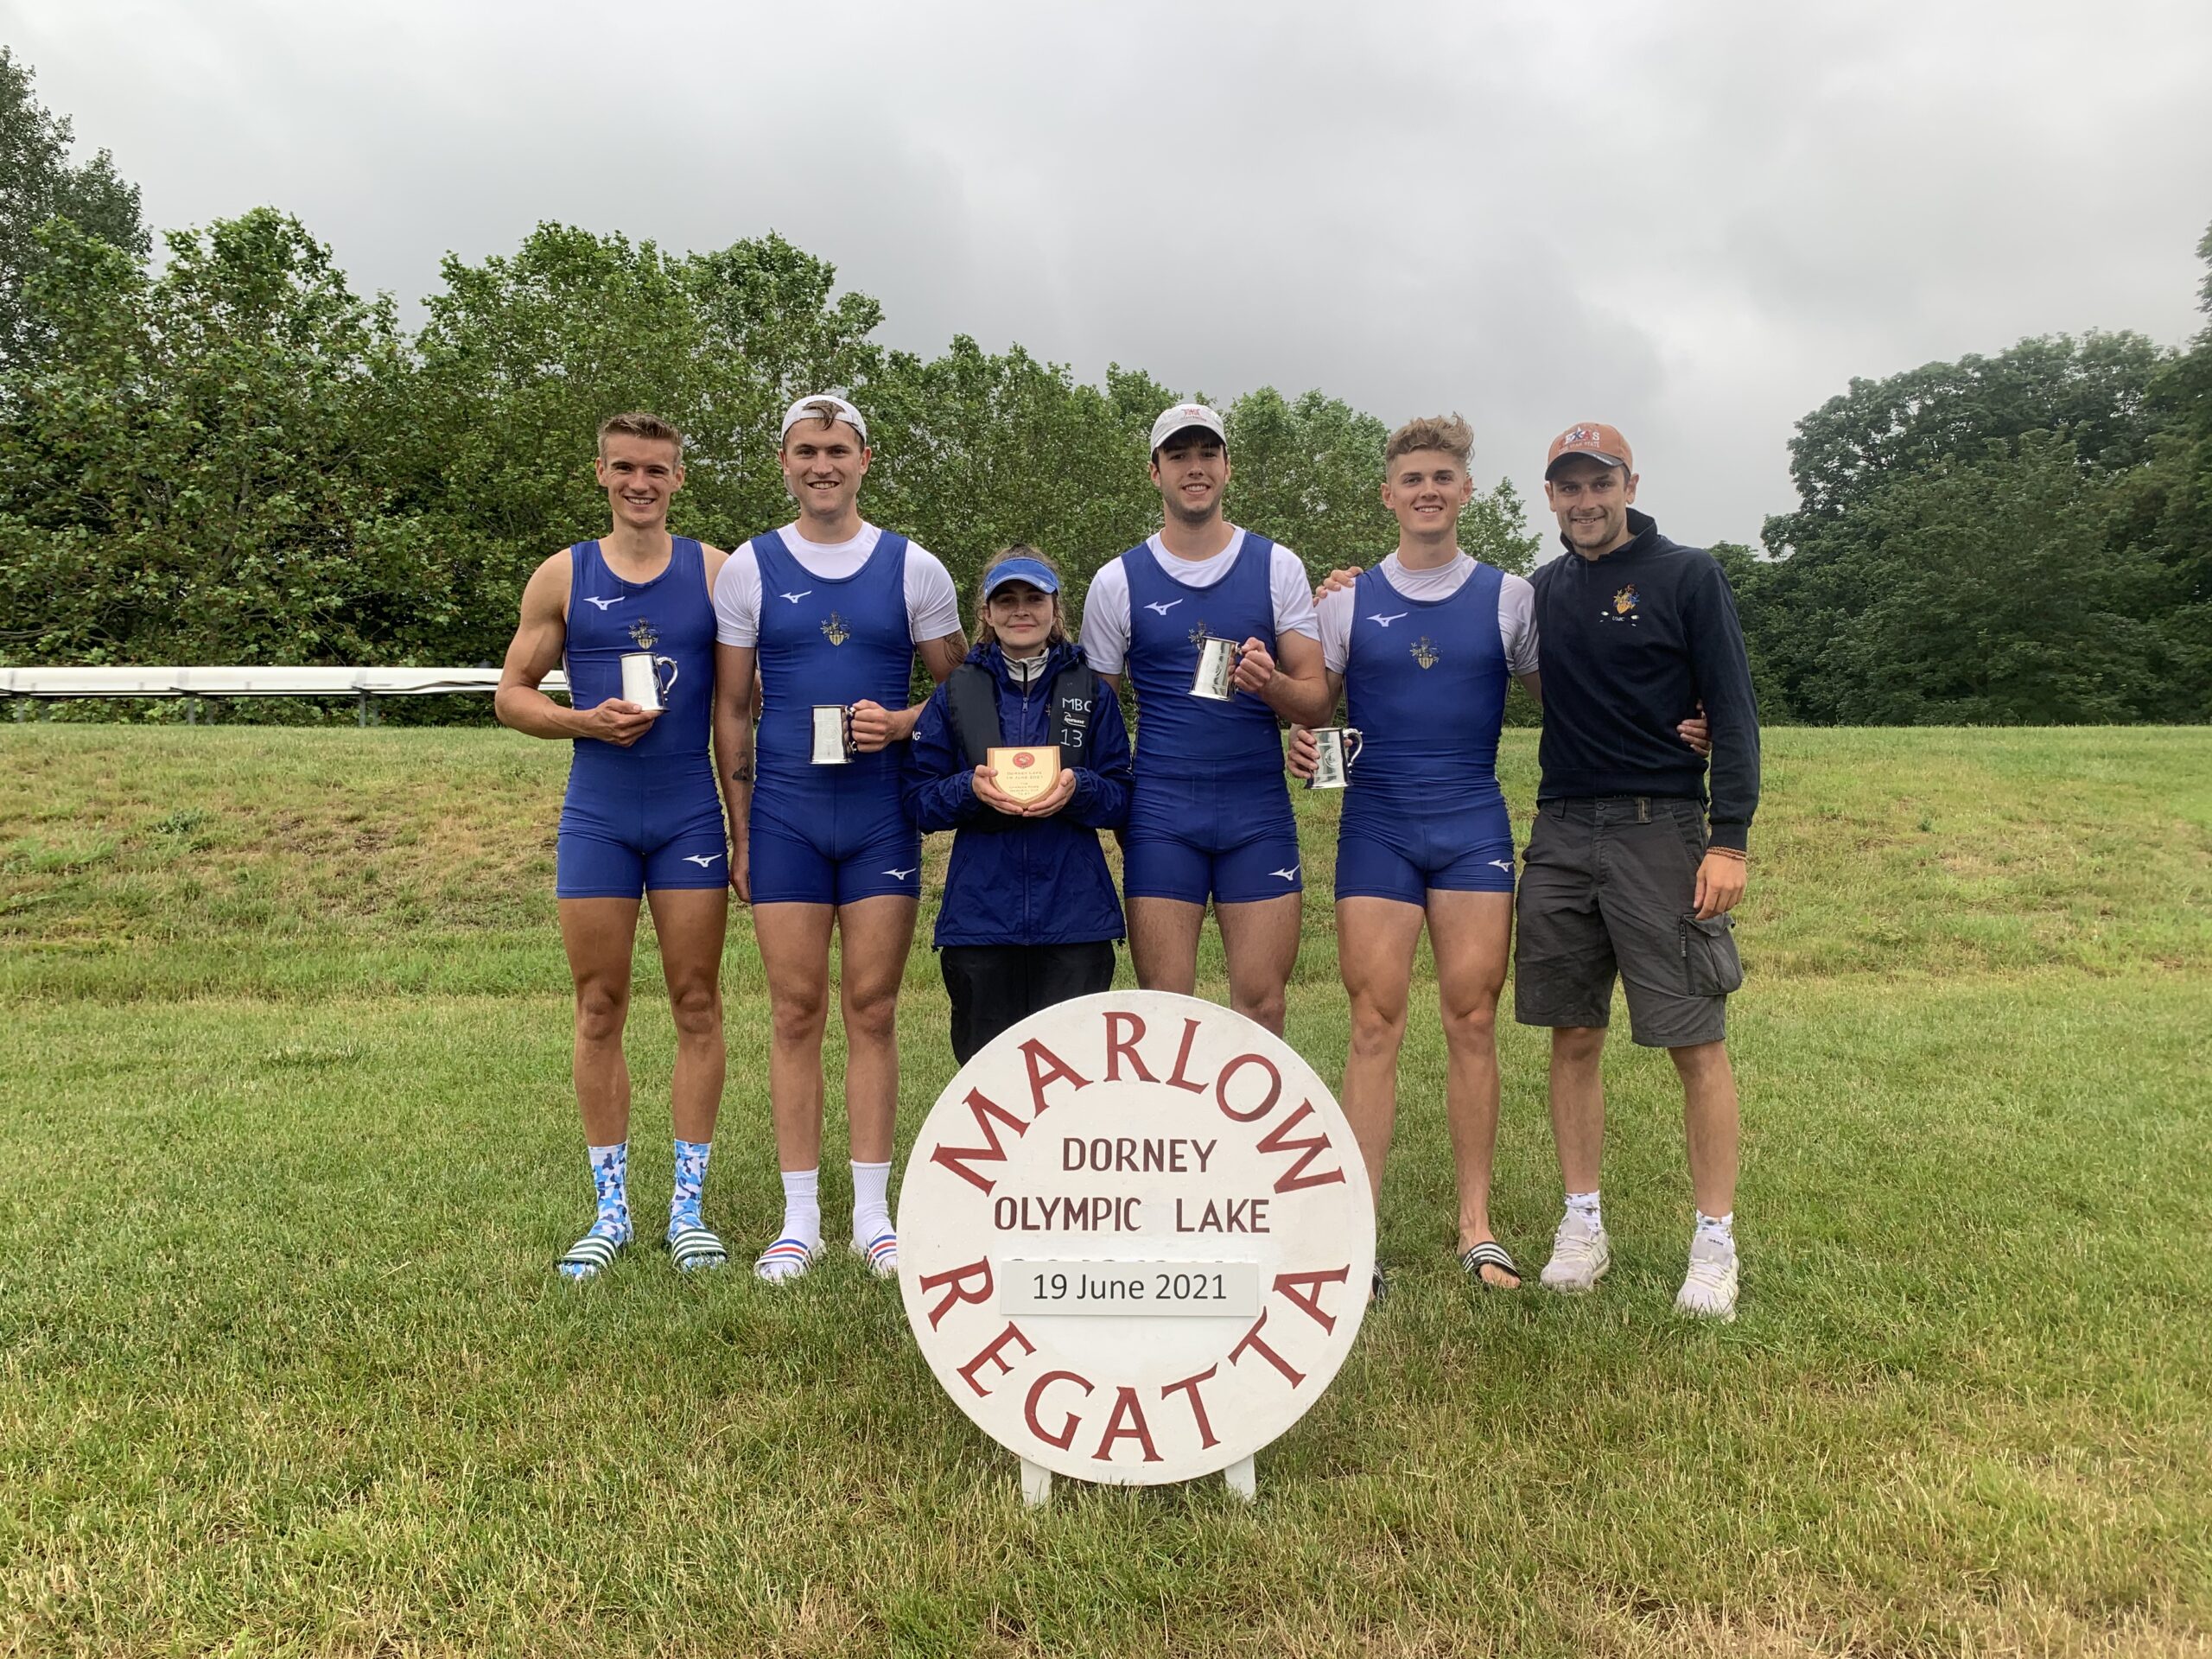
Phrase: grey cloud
(1696, 220)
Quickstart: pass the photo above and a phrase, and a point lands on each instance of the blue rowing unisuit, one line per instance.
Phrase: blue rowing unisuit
(647, 817)
(1179, 734)
(1208, 814)
(830, 640)
(830, 834)
(1426, 691)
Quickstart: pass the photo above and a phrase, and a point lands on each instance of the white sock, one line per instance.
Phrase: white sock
(1722, 1228)
(803, 1206)
(871, 1202)
(1585, 1204)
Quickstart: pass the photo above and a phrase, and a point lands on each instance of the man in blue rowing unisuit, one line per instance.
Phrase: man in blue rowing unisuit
(641, 816)
(831, 611)
(1210, 816)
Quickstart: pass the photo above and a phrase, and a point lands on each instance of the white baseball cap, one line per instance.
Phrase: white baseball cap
(1182, 418)
(805, 409)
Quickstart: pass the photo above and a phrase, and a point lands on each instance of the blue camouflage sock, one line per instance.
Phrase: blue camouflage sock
(690, 1183)
(610, 1179)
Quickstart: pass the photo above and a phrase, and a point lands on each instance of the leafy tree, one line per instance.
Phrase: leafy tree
(37, 182)
(1494, 528)
(522, 356)
(976, 451)
(1992, 591)
(1308, 473)
(2091, 391)
(2167, 507)
(189, 472)
(1848, 551)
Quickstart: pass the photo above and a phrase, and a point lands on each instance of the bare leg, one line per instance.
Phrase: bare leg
(876, 934)
(1709, 1119)
(691, 922)
(1578, 1094)
(1164, 944)
(1376, 939)
(1261, 940)
(598, 935)
(795, 955)
(1470, 933)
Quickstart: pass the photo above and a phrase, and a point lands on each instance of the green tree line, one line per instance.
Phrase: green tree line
(227, 454)
(2022, 539)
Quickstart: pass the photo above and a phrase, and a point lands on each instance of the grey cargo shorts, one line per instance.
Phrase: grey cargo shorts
(1609, 885)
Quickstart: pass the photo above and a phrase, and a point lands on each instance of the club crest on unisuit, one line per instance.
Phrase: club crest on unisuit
(836, 630)
(643, 631)
(1425, 653)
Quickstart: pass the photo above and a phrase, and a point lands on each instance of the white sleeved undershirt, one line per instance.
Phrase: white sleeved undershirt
(1516, 610)
(932, 602)
(1106, 607)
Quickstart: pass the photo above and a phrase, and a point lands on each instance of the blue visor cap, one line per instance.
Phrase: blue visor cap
(1035, 572)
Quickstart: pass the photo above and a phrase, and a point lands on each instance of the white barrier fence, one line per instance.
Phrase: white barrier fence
(364, 685)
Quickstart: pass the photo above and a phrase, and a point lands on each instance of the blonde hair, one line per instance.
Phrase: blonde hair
(985, 633)
(1447, 433)
(638, 425)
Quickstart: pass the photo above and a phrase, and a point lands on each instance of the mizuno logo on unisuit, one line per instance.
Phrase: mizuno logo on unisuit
(1162, 605)
(901, 875)
(1385, 621)
(794, 598)
(1290, 874)
(594, 599)
(704, 860)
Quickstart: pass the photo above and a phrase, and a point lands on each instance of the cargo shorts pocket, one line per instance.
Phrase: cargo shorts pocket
(1689, 819)
(1710, 964)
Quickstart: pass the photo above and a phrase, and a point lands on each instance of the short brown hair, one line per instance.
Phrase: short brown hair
(638, 425)
(1445, 432)
(985, 633)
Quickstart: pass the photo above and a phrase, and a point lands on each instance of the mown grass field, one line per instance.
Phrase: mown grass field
(289, 1146)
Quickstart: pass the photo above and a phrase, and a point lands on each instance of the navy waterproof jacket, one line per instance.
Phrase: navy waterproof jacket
(1023, 880)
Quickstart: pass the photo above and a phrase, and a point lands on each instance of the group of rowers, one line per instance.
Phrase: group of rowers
(742, 723)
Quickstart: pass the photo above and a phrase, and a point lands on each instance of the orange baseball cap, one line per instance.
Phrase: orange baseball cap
(1593, 439)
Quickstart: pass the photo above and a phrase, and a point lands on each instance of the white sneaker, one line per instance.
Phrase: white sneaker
(1580, 1256)
(1709, 1291)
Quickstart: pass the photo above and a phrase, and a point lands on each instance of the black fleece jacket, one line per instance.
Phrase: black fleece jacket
(1631, 644)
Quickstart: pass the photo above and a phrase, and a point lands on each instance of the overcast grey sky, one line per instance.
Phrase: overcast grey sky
(1695, 219)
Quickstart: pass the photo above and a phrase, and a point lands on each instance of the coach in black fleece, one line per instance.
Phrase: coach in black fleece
(1624, 875)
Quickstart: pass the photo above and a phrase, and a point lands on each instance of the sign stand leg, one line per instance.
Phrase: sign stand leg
(1241, 1479)
(1036, 1485)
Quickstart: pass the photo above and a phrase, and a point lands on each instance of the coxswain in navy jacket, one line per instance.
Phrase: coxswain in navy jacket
(1632, 643)
(1023, 880)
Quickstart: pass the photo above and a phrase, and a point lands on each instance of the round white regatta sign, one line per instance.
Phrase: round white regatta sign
(1134, 1238)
